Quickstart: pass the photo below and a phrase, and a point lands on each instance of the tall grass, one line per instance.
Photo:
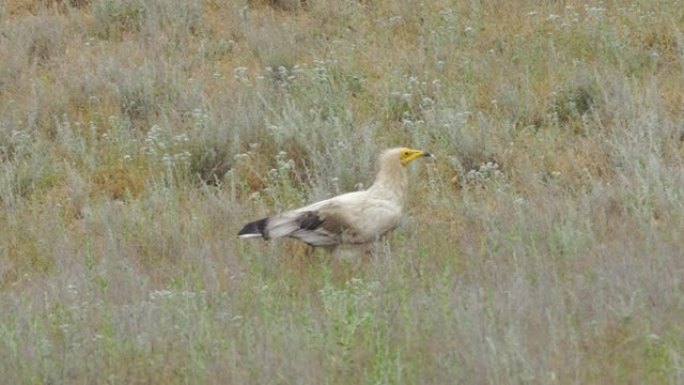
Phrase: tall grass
(543, 246)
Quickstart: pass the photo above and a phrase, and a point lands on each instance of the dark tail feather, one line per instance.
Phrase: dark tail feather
(255, 229)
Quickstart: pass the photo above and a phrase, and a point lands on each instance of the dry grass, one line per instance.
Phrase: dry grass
(544, 246)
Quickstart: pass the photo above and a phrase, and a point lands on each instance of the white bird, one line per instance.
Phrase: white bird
(355, 218)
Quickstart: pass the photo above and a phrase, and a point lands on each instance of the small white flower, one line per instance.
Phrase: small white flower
(160, 294)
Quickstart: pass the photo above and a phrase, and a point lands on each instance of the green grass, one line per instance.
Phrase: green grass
(544, 246)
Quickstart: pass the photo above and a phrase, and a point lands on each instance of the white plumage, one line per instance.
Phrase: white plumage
(353, 218)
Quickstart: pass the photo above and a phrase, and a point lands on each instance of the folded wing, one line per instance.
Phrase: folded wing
(350, 218)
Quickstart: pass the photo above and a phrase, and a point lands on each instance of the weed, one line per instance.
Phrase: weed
(115, 18)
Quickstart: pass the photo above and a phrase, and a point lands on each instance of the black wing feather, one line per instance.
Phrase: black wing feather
(256, 227)
(310, 221)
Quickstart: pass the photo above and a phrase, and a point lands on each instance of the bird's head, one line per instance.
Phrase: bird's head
(408, 155)
(392, 173)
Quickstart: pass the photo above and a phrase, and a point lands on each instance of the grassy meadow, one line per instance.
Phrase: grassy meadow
(545, 245)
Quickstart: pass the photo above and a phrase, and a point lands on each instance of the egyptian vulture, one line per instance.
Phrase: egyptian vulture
(354, 218)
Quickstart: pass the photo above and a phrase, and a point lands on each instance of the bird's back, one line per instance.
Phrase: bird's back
(352, 218)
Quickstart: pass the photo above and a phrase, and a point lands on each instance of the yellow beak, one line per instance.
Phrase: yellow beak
(408, 155)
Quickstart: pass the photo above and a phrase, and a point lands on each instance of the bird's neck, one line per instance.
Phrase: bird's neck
(391, 183)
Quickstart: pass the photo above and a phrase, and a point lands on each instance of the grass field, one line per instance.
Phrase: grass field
(544, 246)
